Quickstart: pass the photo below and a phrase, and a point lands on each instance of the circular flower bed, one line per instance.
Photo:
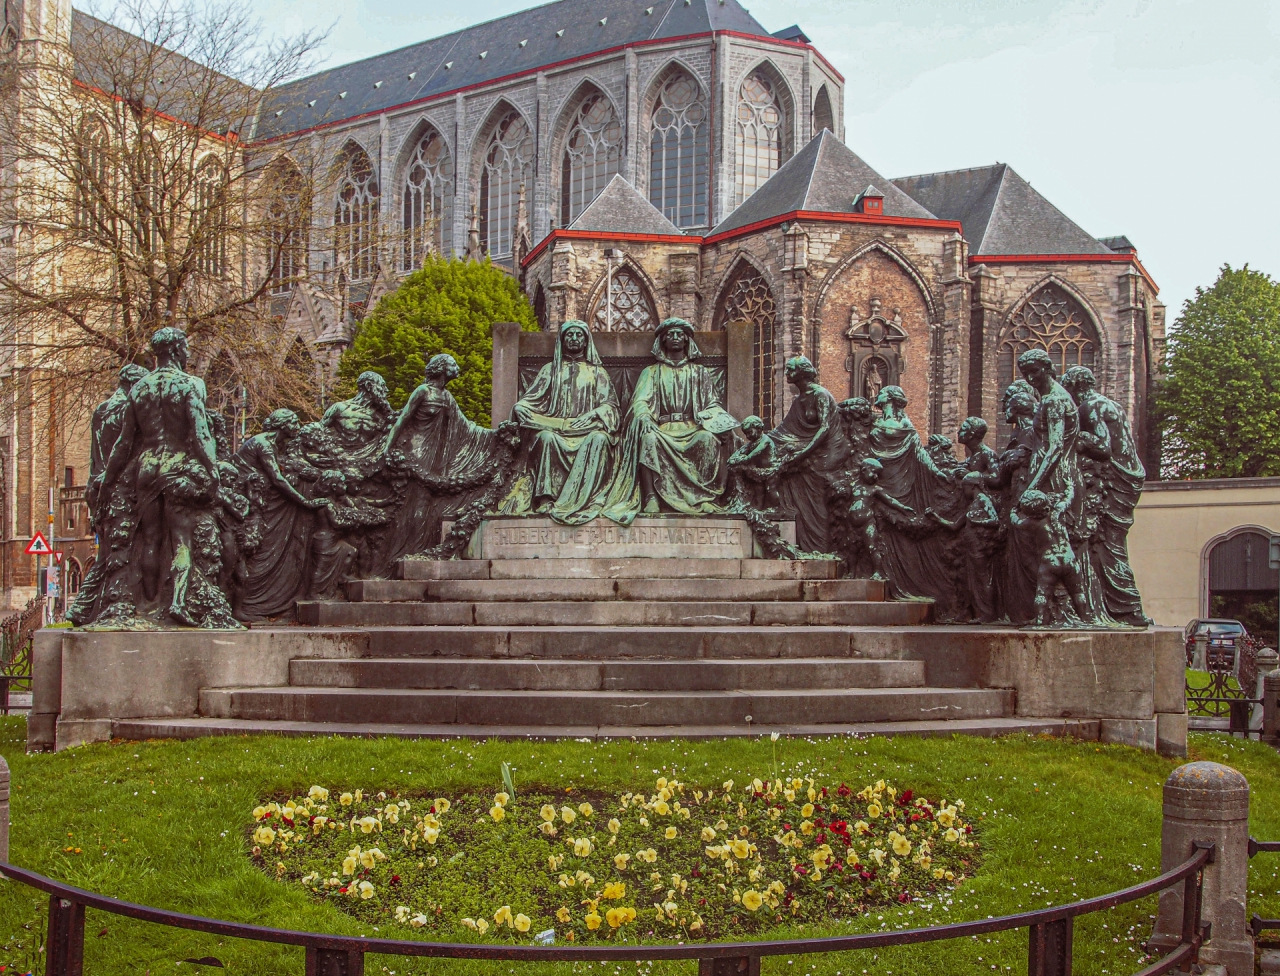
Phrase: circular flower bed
(584, 866)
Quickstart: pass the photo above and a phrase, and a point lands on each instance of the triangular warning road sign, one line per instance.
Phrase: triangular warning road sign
(39, 546)
(57, 557)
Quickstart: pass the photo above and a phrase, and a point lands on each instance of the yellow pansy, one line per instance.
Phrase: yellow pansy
(582, 847)
(752, 899)
(469, 923)
(670, 833)
(585, 809)
(547, 813)
(593, 921)
(366, 890)
(562, 914)
(349, 865)
(740, 847)
(441, 804)
(501, 799)
(615, 825)
(367, 860)
(620, 861)
(521, 923)
(873, 810)
(806, 810)
(345, 799)
(567, 815)
(901, 846)
(708, 834)
(264, 835)
(613, 891)
(497, 812)
(952, 834)
(502, 916)
(482, 926)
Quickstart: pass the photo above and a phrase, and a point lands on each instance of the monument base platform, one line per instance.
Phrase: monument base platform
(649, 537)
(499, 647)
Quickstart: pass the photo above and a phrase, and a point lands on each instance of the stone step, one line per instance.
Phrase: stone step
(671, 643)
(631, 567)
(557, 708)
(550, 675)
(613, 613)
(632, 590)
(139, 729)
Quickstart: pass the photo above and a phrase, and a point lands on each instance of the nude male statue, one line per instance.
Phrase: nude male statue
(166, 431)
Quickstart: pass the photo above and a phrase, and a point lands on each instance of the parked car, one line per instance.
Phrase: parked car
(1224, 640)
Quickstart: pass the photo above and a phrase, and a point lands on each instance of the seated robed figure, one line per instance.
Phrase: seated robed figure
(673, 453)
(572, 412)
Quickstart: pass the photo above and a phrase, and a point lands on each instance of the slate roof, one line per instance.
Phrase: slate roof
(1119, 244)
(1001, 212)
(825, 175)
(620, 207)
(521, 42)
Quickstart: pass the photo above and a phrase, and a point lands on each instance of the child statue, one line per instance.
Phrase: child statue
(867, 494)
(756, 465)
(1037, 517)
(981, 528)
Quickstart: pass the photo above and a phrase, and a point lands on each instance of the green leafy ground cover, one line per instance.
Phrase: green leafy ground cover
(170, 824)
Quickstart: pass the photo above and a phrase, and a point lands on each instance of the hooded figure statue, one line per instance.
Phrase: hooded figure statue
(671, 449)
(572, 412)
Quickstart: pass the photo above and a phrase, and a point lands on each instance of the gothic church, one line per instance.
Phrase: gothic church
(630, 162)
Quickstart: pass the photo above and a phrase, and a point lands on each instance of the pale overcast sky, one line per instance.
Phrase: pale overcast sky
(1158, 119)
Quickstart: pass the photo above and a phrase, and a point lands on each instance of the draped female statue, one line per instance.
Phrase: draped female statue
(671, 451)
(440, 459)
(572, 411)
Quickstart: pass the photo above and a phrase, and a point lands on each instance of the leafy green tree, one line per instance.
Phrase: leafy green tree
(448, 305)
(1219, 404)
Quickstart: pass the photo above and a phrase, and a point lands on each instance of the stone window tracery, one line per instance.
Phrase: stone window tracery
(678, 152)
(427, 210)
(823, 117)
(748, 298)
(508, 163)
(96, 179)
(592, 155)
(211, 217)
(631, 309)
(758, 132)
(355, 216)
(288, 223)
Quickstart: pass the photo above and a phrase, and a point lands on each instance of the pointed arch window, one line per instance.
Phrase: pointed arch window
(678, 151)
(625, 306)
(355, 215)
(592, 155)
(95, 180)
(748, 298)
(210, 217)
(823, 118)
(758, 132)
(428, 200)
(288, 226)
(508, 163)
(1051, 320)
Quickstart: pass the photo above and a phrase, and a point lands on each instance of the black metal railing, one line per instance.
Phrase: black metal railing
(16, 638)
(1257, 922)
(1230, 675)
(1048, 951)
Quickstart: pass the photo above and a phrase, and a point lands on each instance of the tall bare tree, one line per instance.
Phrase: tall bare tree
(133, 201)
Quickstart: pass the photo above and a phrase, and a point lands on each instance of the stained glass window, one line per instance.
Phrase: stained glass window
(631, 309)
(748, 298)
(288, 220)
(758, 136)
(508, 163)
(210, 216)
(355, 216)
(592, 155)
(428, 200)
(678, 152)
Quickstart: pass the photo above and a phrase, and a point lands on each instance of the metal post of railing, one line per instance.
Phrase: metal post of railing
(64, 949)
(1049, 949)
(1207, 803)
(334, 962)
(1271, 707)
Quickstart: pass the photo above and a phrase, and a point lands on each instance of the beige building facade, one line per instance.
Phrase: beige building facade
(1191, 539)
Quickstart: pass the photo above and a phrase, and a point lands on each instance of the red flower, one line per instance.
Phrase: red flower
(905, 798)
(395, 879)
(904, 898)
(842, 790)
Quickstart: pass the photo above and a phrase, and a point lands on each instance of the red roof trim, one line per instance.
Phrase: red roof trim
(1065, 259)
(543, 67)
(607, 235)
(834, 218)
(154, 113)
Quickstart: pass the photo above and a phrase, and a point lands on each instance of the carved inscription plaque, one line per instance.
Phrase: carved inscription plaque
(659, 538)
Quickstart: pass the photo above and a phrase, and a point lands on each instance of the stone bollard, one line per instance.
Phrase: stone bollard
(4, 810)
(1206, 801)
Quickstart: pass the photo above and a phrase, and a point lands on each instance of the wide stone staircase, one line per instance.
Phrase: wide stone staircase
(613, 647)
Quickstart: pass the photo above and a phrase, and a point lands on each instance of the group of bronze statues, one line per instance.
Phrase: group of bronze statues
(194, 535)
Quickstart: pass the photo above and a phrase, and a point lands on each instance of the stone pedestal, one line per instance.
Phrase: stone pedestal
(4, 810)
(1206, 801)
(660, 537)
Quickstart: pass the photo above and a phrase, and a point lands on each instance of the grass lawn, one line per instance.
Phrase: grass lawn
(167, 823)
